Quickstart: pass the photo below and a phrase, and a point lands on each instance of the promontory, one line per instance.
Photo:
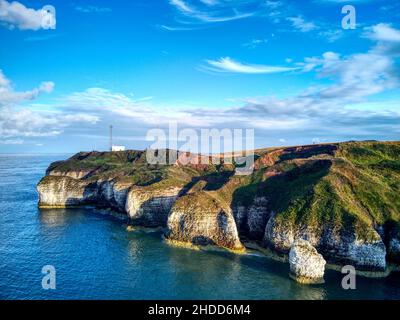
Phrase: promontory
(342, 198)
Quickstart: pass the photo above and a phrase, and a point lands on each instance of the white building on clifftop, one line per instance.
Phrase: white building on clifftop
(117, 148)
(112, 147)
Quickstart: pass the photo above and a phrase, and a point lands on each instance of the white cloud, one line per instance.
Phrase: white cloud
(8, 96)
(46, 87)
(357, 76)
(302, 25)
(18, 122)
(229, 65)
(383, 32)
(16, 15)
(33, 123)
(112, 104)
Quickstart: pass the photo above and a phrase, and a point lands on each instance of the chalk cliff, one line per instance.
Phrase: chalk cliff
(342, 198)
(306, 264)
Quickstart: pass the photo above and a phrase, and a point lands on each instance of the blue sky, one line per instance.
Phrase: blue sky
(285, 68)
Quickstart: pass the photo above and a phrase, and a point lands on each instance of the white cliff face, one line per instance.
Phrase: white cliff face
(113, 194)
(340, 248)
(348, 249)
(64, 191)
(150, 207)
(207, 224)
(252, 220)
(281, 237)
(370, 255)
(361, 254)
(240, 214)
(306, 264)
(257, 217)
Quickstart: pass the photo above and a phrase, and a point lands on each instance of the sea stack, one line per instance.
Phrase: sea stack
(307, 266)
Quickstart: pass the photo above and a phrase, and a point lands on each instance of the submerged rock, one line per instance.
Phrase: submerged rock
(306, 264)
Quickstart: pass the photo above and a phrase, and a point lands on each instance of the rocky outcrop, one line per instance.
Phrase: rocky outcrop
(150, 206)
(257, 218)
(112, 194)
(65, 192)
(340, 247)
(251, 220)
(280, 236)
(306, 264)
(347, 248)
(201, 219)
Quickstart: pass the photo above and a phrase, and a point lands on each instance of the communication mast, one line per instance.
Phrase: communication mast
(111, 142)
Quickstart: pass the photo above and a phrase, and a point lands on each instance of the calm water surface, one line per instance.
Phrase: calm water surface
(97, 258)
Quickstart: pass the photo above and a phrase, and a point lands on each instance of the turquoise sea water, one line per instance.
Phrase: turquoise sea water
(95, 257)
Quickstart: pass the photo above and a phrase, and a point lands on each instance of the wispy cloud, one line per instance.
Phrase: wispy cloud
(92, 9)
(229, 65)
(255, 43)
(182, 6)
(300, 24)
(179, 28)
(213, 11)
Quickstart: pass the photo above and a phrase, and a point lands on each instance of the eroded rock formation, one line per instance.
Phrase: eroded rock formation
(343, 199)
(306, 264)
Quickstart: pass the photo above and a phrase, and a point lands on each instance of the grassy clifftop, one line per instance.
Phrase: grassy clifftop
(352, 185)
